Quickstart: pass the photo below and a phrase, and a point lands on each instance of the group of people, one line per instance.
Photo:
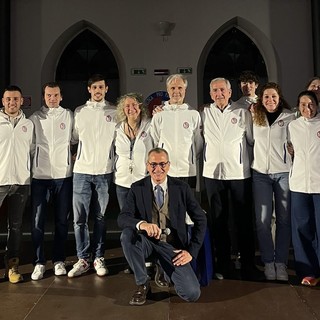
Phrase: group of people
(254, 151)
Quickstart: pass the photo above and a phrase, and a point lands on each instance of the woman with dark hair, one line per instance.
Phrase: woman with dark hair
(314, 85)
(270, 176)
(304, 184)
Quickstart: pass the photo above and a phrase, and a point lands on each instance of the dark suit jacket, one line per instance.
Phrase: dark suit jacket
(181, 200)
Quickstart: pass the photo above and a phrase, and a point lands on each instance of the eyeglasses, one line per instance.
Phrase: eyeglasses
(162, 165)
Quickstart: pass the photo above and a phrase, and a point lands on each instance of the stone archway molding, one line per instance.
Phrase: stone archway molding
(51, 60)
(262, 42)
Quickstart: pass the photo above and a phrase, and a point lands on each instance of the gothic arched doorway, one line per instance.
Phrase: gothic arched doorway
(85, 55)
(231, 54)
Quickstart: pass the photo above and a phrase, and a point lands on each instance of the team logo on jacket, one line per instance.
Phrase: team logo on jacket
(318, 134)
(234, 120)
(108, 118)
(280, 123)
(62, 126)
(24, 129)
(143, 134)
(186, 125)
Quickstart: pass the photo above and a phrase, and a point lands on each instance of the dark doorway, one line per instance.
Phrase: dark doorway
(85, 55)
(231, 54)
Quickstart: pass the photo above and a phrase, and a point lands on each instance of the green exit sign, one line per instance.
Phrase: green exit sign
(138, 71)
(185, 70)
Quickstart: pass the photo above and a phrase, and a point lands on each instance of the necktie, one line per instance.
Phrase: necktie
(159, 195)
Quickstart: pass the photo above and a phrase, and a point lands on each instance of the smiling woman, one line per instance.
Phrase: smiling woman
(270, 174)
(305, 189)
(132, 143)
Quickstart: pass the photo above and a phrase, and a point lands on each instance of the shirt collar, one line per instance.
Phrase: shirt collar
(163, 185)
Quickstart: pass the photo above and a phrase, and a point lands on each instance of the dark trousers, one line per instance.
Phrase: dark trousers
(60, 192)
(305, 220)
(17, 196)
(239, 192)
(137, 247)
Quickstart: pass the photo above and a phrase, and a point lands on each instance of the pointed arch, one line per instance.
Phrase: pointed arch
(56, 51)
(255, 35)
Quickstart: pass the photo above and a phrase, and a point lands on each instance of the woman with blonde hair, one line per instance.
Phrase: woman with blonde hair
(132, 143)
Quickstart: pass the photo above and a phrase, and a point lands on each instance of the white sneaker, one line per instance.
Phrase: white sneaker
(79, 268)
(59, 268)
(100, 267)
(270, 271)
(281, 271)
(38, 272)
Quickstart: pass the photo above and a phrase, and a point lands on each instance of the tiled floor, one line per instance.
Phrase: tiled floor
(91, 297)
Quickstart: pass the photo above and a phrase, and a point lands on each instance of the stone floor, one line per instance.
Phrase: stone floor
(92, 297)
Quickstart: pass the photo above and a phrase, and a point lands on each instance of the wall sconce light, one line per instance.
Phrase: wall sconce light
(165, 28)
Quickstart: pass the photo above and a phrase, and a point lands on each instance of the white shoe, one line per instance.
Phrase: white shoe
(79, 268)
(270, 271)
(59, 268)
(38, 272)
(281, 271)
(100, 267)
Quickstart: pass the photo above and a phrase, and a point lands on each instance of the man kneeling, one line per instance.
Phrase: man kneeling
(153, 222)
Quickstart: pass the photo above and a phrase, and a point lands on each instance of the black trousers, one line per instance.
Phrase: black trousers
(235, 197)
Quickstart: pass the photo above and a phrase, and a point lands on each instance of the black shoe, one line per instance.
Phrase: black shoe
(140, 295)
(252, 273)
(159, 278)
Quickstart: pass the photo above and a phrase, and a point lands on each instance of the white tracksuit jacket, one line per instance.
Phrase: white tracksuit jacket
(130, 162)
(228, 137)
(304, 135)
(52, 136)
(270, 154)
(94, 128)
(15, 150)
(177, 129)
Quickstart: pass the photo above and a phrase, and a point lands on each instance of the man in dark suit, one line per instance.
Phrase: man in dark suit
(153, 222)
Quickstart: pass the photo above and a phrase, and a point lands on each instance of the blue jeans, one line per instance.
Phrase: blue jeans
(122, 193)
(17, 197)
(266, 188)
(305, 215)
(90, 193)
(60, 192)
(137, 247)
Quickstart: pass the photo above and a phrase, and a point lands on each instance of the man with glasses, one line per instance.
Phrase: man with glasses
(153, 222)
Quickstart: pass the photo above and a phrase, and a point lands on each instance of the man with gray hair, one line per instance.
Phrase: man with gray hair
(228, 135)
(178, 130)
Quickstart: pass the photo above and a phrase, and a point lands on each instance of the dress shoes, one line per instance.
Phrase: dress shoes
(140, 295)
(252, 273)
